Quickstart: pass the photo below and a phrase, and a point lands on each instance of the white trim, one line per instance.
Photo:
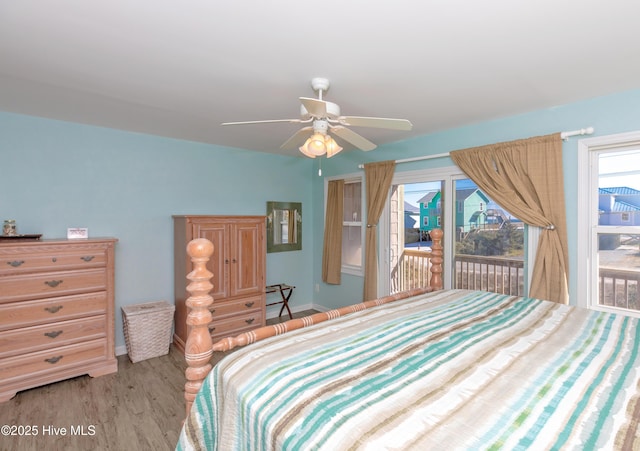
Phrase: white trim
(533, 238)
(587, 265)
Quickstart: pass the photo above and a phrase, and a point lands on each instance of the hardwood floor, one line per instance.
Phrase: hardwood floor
(141, 407)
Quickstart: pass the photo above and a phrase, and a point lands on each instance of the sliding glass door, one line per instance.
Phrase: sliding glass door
(488, 243)
(415, 210)
(484, 246)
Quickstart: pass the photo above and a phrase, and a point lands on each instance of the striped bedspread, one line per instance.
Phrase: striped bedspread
(452, 369)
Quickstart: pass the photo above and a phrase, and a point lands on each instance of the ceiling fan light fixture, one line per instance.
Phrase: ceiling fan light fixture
(332, 147)
(305, 151)
(314, 145)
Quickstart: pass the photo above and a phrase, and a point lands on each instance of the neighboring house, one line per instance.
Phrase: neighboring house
(619, 206)
(411, 215)
(469, 204)
(430, 210)
(491, 218)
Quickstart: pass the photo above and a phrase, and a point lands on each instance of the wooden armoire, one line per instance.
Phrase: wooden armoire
(238, 265)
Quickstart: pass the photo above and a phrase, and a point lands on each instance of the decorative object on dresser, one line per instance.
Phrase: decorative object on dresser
(56, 312)
(238, 266)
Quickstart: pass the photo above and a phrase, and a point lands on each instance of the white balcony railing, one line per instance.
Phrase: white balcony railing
(618, 288)
(496, 274)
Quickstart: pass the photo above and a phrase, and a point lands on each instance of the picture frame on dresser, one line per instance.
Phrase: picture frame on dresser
(56, 311)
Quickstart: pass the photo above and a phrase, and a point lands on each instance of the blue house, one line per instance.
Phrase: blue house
(411, 215)
(619, 206)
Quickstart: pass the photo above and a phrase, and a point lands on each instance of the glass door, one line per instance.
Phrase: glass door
(489, 243)
(414, 210)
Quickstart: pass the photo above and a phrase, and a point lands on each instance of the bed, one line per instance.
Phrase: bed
(426, 369)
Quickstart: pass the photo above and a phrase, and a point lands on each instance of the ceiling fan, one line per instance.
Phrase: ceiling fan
(324, 117)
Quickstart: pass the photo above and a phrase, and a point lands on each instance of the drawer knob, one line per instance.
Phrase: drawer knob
(53, 283)
(249, 304)
(53, 360)
(53, 334)
(53, 309)
(15, 263)
(249, 321)
(87, 258)
(212, 328)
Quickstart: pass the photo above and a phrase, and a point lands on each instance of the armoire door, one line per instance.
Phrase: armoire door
(247, 258)
(219, 262)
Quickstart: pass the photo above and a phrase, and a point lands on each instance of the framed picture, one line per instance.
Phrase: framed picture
(77, 233)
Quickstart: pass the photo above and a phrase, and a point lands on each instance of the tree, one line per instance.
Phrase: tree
(506, 241)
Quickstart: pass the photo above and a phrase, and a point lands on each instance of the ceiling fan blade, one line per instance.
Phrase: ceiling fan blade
(376, 122)
(315, 107)
(353, 138)
(297, 139)
(292, 121)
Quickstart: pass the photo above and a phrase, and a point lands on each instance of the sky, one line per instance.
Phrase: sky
(620, 169)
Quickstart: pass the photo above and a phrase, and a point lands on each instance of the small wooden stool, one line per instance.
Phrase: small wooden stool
(285, 293)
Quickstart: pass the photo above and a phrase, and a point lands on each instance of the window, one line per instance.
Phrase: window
(352, 235)
(496, 255)
(609, 214)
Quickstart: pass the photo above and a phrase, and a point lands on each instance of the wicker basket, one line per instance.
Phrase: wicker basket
(147, 329)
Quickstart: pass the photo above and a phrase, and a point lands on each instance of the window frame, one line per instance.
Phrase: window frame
(355, 270)
(588, 228)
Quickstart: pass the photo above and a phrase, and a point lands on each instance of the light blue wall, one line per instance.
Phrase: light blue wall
(608, 115)
(57, 175)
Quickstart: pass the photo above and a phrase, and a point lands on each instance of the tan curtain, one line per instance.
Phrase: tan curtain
(332, 250)
(378, 181)
(525, 177)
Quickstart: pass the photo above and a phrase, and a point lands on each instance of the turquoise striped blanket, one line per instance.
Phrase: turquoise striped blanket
(455, 370)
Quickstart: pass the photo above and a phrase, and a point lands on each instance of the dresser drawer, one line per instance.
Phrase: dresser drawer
(37, 338)
(56, 359)
(240, 306)
(45, 285)
(58, 260)
(31, 313)
(234, 325)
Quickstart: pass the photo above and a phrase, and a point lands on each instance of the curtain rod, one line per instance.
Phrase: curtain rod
(564, 135)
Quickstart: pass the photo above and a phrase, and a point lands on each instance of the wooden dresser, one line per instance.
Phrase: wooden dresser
(238, 266)
(56, 311)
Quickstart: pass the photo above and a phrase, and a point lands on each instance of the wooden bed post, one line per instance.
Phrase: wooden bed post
(198, 348)
(436, 259)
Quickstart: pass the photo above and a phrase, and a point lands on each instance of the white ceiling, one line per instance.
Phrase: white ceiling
(180, 68)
